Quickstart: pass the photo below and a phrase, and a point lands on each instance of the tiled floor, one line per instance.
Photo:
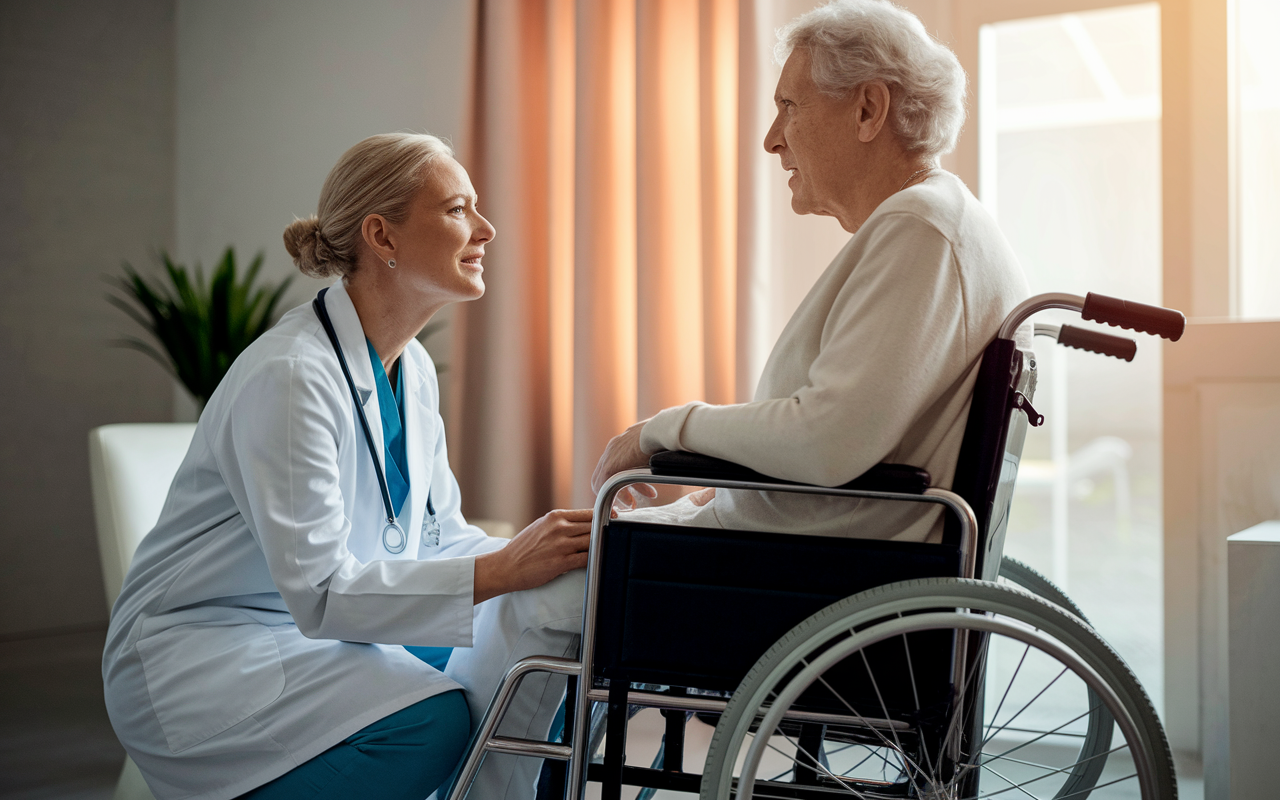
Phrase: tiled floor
(55, 740)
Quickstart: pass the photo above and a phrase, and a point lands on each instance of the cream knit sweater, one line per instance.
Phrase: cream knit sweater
(876, 365)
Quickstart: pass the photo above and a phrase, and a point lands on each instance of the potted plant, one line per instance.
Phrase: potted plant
(198, 329)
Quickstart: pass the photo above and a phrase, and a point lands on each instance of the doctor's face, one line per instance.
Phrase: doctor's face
(439, 246)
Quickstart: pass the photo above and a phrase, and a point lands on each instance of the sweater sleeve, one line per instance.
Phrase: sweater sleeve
(893, 340)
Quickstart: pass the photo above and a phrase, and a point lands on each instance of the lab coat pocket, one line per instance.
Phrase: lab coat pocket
(205, 678)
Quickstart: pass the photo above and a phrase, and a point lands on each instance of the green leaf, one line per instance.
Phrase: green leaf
(200, 328)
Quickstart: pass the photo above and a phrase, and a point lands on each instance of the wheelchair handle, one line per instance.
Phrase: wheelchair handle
(1105, 344)
(1164, 322)
(1140, 317)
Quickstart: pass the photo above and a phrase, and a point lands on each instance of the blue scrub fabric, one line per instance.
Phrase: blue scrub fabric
(405, 756)
(391, 404)
(437, 657)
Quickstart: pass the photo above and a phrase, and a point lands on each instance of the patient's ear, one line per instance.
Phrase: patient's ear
(870, 109)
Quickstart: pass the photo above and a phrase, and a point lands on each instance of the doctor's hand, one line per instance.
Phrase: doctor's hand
(622, 453)
(547, 549)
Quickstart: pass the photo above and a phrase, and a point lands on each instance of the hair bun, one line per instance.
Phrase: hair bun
(310, 250)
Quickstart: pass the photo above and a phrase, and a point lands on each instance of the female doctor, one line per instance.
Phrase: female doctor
(314, 528)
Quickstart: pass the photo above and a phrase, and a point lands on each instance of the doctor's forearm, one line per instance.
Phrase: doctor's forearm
(489, 577)
(550, 547)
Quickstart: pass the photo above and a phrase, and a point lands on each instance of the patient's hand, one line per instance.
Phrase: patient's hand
(622, 453)
(703, 496)
(631, 497)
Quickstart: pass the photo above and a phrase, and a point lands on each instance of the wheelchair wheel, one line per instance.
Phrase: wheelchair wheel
(859, 701)
(1097, 740)
(1018, 573)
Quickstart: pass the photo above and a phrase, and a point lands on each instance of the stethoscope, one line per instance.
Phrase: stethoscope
(393, 536)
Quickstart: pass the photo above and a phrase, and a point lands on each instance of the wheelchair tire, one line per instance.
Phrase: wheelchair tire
(848, 628)
(1016, 572)
(1098, 734)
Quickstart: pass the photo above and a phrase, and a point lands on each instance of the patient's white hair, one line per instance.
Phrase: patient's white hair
(852, 42)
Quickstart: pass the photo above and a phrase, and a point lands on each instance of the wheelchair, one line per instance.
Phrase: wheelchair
(845, 667)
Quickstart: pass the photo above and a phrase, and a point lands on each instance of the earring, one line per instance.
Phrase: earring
(392, 263)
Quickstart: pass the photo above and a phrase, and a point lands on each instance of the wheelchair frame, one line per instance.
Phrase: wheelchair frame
(978, 502)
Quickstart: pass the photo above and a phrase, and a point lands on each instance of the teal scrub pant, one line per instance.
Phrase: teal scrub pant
(405, 756)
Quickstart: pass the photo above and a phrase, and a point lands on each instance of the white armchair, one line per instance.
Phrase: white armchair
(130, 469)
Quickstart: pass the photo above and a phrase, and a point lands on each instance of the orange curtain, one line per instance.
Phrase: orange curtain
(604, 147)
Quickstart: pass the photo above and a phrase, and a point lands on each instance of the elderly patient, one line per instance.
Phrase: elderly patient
(879, 361)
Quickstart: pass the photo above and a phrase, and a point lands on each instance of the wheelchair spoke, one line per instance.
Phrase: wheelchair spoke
(1012, 679)
(1015, 761)
(1052, 770)
(884, 708)
(1016, 748)
(854, 712)
(1084, 792)
(1028, 704)
(915, 693)
(1081, 792)
(911, 671)
(829, 774)
(840, 749)
(1012, 785)
(1058, 733)
(979, 673)
(888, 744)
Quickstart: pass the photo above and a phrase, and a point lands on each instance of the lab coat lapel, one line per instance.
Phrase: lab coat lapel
(416, 435)
(346, 322)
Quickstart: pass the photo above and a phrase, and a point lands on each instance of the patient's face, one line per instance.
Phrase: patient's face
(813, 136)
(441, 243)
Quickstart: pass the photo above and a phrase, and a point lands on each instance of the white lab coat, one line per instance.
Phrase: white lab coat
(261, 619)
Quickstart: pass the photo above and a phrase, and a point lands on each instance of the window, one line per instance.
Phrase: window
(1069, 118)
(1257, 62)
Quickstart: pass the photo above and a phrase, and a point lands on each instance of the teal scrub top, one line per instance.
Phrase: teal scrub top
(391, 404)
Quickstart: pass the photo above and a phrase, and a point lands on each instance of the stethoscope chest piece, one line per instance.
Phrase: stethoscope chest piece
(393, 538)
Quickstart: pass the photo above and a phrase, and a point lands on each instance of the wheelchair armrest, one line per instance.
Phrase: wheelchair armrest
(898, 478)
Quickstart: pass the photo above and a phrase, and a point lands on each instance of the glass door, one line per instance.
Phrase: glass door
(1070, 164)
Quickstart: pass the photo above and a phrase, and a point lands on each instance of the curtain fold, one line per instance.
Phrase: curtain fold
(604, 147)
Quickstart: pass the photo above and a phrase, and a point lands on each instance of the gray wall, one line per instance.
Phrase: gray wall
(141, 124)
(86, 180)
(269, 95)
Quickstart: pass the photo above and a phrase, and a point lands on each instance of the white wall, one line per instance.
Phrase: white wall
(269, 95)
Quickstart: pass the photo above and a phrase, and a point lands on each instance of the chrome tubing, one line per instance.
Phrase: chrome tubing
(1048, 330)
(577, 774)
(1034, 305)
(485, 741)
(576, 781)
(716, 706)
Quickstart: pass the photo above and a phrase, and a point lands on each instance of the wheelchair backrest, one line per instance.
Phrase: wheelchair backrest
(992, 447)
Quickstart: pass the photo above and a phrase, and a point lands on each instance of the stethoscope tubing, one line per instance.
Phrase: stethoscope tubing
(323, 314)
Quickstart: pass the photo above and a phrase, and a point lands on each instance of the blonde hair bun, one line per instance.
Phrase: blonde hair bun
(309, 250)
